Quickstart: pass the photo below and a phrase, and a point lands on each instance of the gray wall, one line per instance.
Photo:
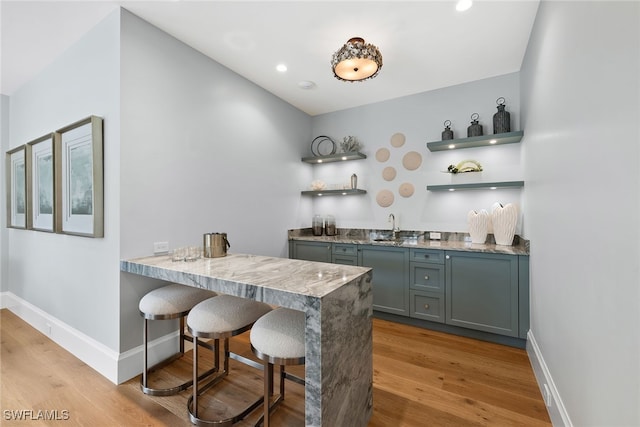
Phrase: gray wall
(189, 147)
(74, 279)
(4, 146)
(580, 110)
(202, 150)
(420, 118)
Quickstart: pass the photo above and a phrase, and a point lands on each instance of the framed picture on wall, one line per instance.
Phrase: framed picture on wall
(17, 202)
(78, 155)
(40, 183)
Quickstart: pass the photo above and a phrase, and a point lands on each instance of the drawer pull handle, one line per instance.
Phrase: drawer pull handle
(426, 256)
(426, 306)
(426, 277)
(344, 249)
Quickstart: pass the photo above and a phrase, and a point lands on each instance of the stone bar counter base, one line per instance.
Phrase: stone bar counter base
(413, 239)
(337, 301)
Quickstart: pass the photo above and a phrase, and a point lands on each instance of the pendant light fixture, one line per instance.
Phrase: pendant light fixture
(356, 61)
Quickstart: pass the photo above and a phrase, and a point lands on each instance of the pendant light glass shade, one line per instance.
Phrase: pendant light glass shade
(356, 61)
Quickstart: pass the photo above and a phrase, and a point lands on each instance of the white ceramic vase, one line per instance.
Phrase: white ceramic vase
(478, 225)
(504, 219)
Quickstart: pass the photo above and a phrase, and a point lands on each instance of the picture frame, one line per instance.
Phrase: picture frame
(41, 183)
(78, 155)
(17, 201)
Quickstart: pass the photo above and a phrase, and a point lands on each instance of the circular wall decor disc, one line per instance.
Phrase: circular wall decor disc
(406, 189)
(398, 139)
(412, 160)
(382, 155)
(384, 198)
(389, 173)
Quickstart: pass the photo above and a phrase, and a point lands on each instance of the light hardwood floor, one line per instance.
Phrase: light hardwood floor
(421, 378)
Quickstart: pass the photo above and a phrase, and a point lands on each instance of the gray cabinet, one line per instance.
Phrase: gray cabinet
(426, 283)
(474, 290)
(344, 253)
(390, 281)
(310, 251)
(482, 292)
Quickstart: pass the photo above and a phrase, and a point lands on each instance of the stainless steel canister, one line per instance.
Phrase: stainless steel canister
(215, 245)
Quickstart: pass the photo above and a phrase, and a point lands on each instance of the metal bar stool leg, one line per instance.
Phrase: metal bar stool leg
(166, 303)
(278, 338)
(220, 318)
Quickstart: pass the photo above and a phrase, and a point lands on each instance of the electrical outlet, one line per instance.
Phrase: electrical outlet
(49, 329)
(546, 395)
(434, 235)
(160, 248)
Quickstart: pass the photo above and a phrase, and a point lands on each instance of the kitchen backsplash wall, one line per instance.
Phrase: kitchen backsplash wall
(420, 119)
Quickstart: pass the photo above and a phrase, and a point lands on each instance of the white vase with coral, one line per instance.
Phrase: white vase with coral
(478, 225)
(504, 219)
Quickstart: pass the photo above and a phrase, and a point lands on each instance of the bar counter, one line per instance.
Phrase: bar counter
(337, 301)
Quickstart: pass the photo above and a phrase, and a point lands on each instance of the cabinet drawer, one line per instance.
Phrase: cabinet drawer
(311, 251)
(427, 255)
(428, 306)
(345, 259)
(345, 249)
(427, 277)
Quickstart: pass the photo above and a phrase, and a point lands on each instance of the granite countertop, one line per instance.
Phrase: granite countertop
(308, 278)
(413, 239)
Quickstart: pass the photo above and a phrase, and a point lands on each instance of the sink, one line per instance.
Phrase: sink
(398, 241)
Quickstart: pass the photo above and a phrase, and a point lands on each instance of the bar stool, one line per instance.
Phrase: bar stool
(277, 338)
(221, 317)
(169, 302)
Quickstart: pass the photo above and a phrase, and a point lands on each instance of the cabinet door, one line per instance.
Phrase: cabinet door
(427, 277)
(482, 292)
(427, 306)
(312, 251)
(390, 281)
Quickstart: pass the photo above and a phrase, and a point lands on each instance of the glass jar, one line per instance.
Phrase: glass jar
(330, 225)
(316, 225)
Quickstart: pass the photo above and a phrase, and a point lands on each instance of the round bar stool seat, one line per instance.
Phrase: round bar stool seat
(277, 338)
(168, 302)
(221, 317)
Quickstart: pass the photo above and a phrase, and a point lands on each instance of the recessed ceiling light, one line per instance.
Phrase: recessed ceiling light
(281, 67)
(463, 5)
(452, 146)
(306, 84)
(493, 141)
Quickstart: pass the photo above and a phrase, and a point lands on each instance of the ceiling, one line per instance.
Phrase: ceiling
(425, 45)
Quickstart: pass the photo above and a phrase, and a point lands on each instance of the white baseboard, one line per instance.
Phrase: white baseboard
(557, 411)
(116, 367)
(130, 362)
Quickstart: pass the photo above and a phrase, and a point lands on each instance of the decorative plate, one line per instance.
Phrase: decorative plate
(382, 155)
(323, 146)
(412, 160)
(406, 189)
(398, 139)
(389, 173)
(384, 198)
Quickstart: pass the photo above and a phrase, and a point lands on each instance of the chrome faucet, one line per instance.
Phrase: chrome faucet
(392, 220)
